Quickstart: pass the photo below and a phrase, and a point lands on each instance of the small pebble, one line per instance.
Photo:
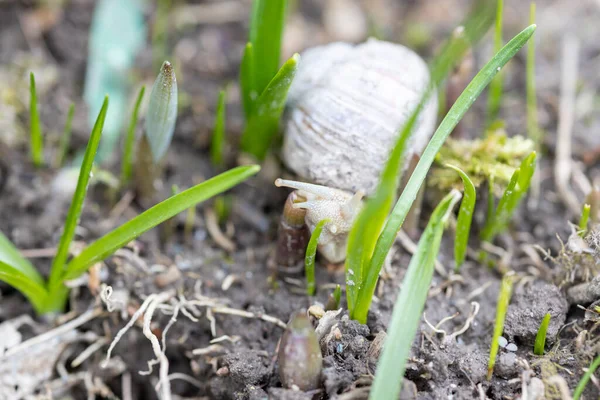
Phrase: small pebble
(511, 347)
(502, 341)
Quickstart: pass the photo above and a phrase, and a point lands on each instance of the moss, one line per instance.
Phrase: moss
(495, 155)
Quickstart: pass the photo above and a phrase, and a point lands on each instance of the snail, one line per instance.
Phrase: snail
(345, 109)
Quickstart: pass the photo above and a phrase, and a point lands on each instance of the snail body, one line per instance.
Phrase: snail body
(345, 110)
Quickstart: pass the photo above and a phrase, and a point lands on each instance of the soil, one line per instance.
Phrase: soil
(221, 312)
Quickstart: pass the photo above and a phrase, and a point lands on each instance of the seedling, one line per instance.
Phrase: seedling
(36, 141)
(127, 163)
(585, 378)
(309, 261)
(365, 231)
(501, 309)
(496, 86)
(333, 303)
(409, 305)
(65, 138)
(532, 117)
(264, 85)
(540, 338)
(217, 146)
(583, 221)
(465, 217)
(160, 125)
(516, 189)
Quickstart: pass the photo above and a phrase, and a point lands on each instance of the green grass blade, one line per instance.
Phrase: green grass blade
(532, 117)
(266, 32)
(404, 203)
(60, 260)
(514, 192)
(248, 85)
(109, 243)
(264, 121)
(11, 256)
(127, 162)
(540, 338)
(32, 289)
(309, 260)
(409, 305)
(37, 143)
(217, 144)
(585, 378)
(465, 217)
(162, 112)
(501, 309)
(367, 227)
(496, 86)
(583, 221)
(65, 138)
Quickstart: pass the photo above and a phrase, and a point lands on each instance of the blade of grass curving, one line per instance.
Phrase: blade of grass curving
(247, 81)
(9, 255)
(60, 260)
(217, 144)
(367, 226)
(540, 338)
(37, 143)
(311, 253)
(147, 220)
(585, 378)
(516, 189)
(266, 32)
(501, 309)
(35, 291)
(409, 305)
(583, 221)
(65, 138)
(404, 203)
(264, 121)
(465, 217)
(496, 85)
(127, 162)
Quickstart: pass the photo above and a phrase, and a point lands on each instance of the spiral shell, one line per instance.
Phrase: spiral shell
(346, 107)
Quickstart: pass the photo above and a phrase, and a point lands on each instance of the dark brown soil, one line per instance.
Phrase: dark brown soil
(232, 292)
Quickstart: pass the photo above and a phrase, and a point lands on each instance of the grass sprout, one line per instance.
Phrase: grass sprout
(359, 301)
(583, 221)
(532, 117)
(409, 305)
(516, 189)
(65, 138)
(540, 338)
(333, 303)
(465, 217)
(495, 92)
(311, 253)
(127, 162)
(51, 296)
(217, 145)
(35, 129)
(267, 109)
(363, 237)
(501, 309)
(585, 378)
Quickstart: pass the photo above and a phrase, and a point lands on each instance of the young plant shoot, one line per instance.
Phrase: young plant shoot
(409, 305)
(311, 253)
(217, 144)
(127, 162)
(160, 125)
(496, 86)
(583, 221)
(360, 294)
(465, 217)
(501, 309)
(35, 129)
(540, 338)
(65, 139)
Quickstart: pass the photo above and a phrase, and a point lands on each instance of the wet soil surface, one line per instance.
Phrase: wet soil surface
(219, 309)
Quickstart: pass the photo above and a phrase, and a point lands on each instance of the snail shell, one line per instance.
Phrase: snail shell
(346, 107)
